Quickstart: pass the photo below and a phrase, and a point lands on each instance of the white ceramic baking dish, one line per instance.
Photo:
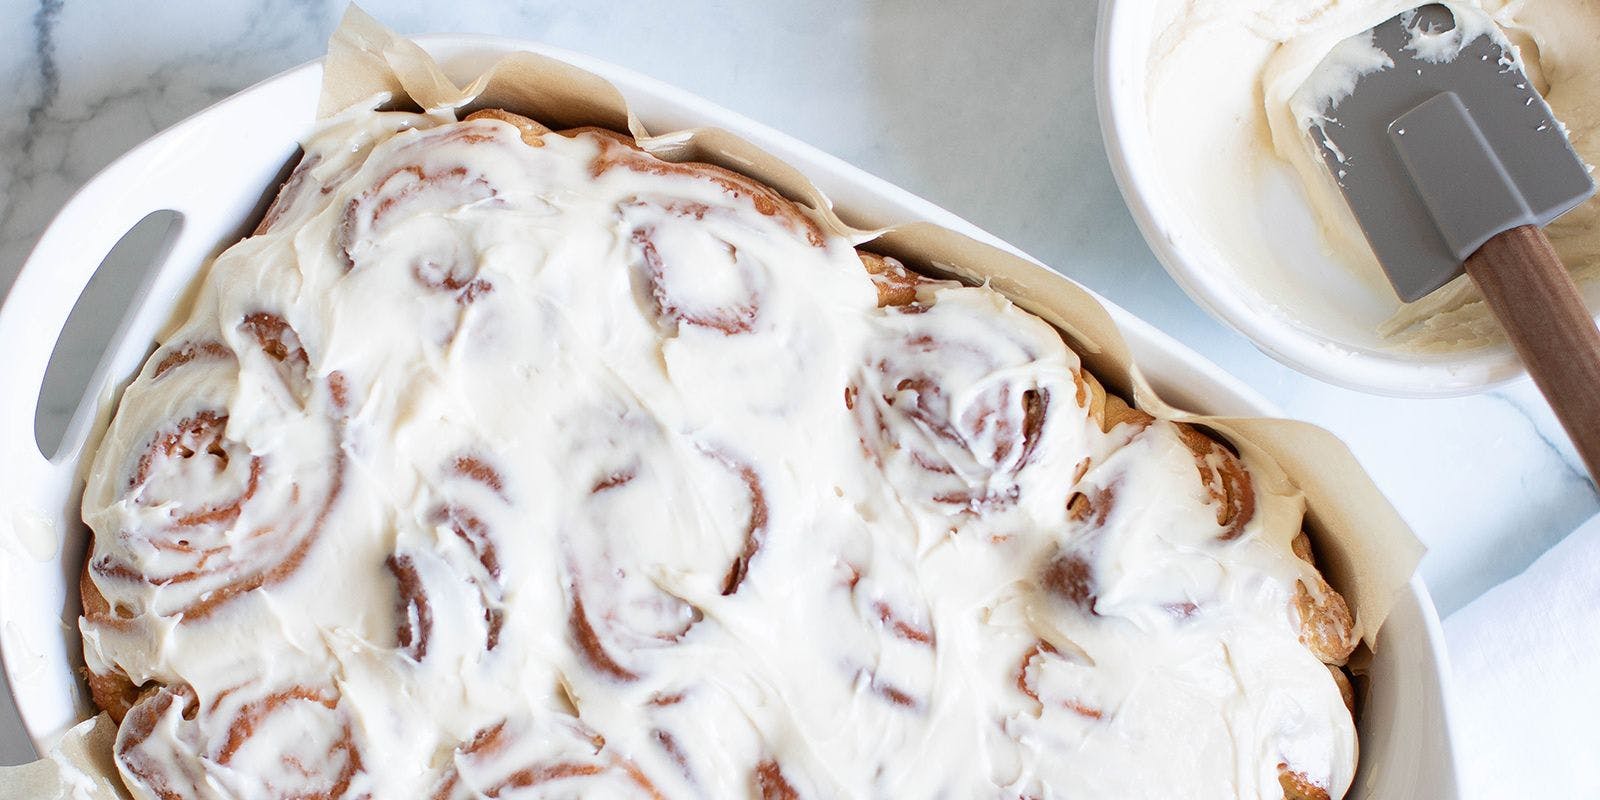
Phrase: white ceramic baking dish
(215, 168)
(1341, 348)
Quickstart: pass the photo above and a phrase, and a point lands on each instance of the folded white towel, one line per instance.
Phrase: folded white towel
(1527, 679)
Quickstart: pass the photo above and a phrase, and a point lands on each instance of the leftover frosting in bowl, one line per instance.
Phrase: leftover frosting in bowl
(1224, 103)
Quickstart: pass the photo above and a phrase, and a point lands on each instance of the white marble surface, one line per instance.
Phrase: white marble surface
(987, 109)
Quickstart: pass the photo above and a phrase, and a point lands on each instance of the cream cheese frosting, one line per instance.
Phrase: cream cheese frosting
(499, 464)
(1231, 93)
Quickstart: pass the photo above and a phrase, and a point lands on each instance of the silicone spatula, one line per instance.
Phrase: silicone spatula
(1451, 160)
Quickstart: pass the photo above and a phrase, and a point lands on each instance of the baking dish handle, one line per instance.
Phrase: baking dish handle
(211, 170)
(153, 177)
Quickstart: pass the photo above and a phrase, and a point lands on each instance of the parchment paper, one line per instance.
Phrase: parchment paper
(1363, 547)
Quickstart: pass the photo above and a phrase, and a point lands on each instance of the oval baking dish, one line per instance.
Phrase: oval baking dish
(215, 168)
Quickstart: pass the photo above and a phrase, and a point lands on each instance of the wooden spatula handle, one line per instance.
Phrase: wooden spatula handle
(1531, 292)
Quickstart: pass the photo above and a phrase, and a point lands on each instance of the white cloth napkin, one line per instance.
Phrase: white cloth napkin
(1527, 679)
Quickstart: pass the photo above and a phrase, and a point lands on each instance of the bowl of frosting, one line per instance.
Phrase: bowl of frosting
(1203, 108)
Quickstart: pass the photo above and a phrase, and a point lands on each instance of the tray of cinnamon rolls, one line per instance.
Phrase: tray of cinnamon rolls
(517, 451)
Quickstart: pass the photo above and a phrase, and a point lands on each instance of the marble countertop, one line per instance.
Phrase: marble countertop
(988, 113)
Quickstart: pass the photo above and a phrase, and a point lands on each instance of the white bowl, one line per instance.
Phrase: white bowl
(1337, 344)
(214, 169)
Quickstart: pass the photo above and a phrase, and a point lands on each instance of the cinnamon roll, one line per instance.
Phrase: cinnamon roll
(631, 593)
(204, 516)
(954, 398)
(467, 484)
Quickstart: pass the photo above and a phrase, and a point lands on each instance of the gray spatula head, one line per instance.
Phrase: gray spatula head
(1435, 156)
